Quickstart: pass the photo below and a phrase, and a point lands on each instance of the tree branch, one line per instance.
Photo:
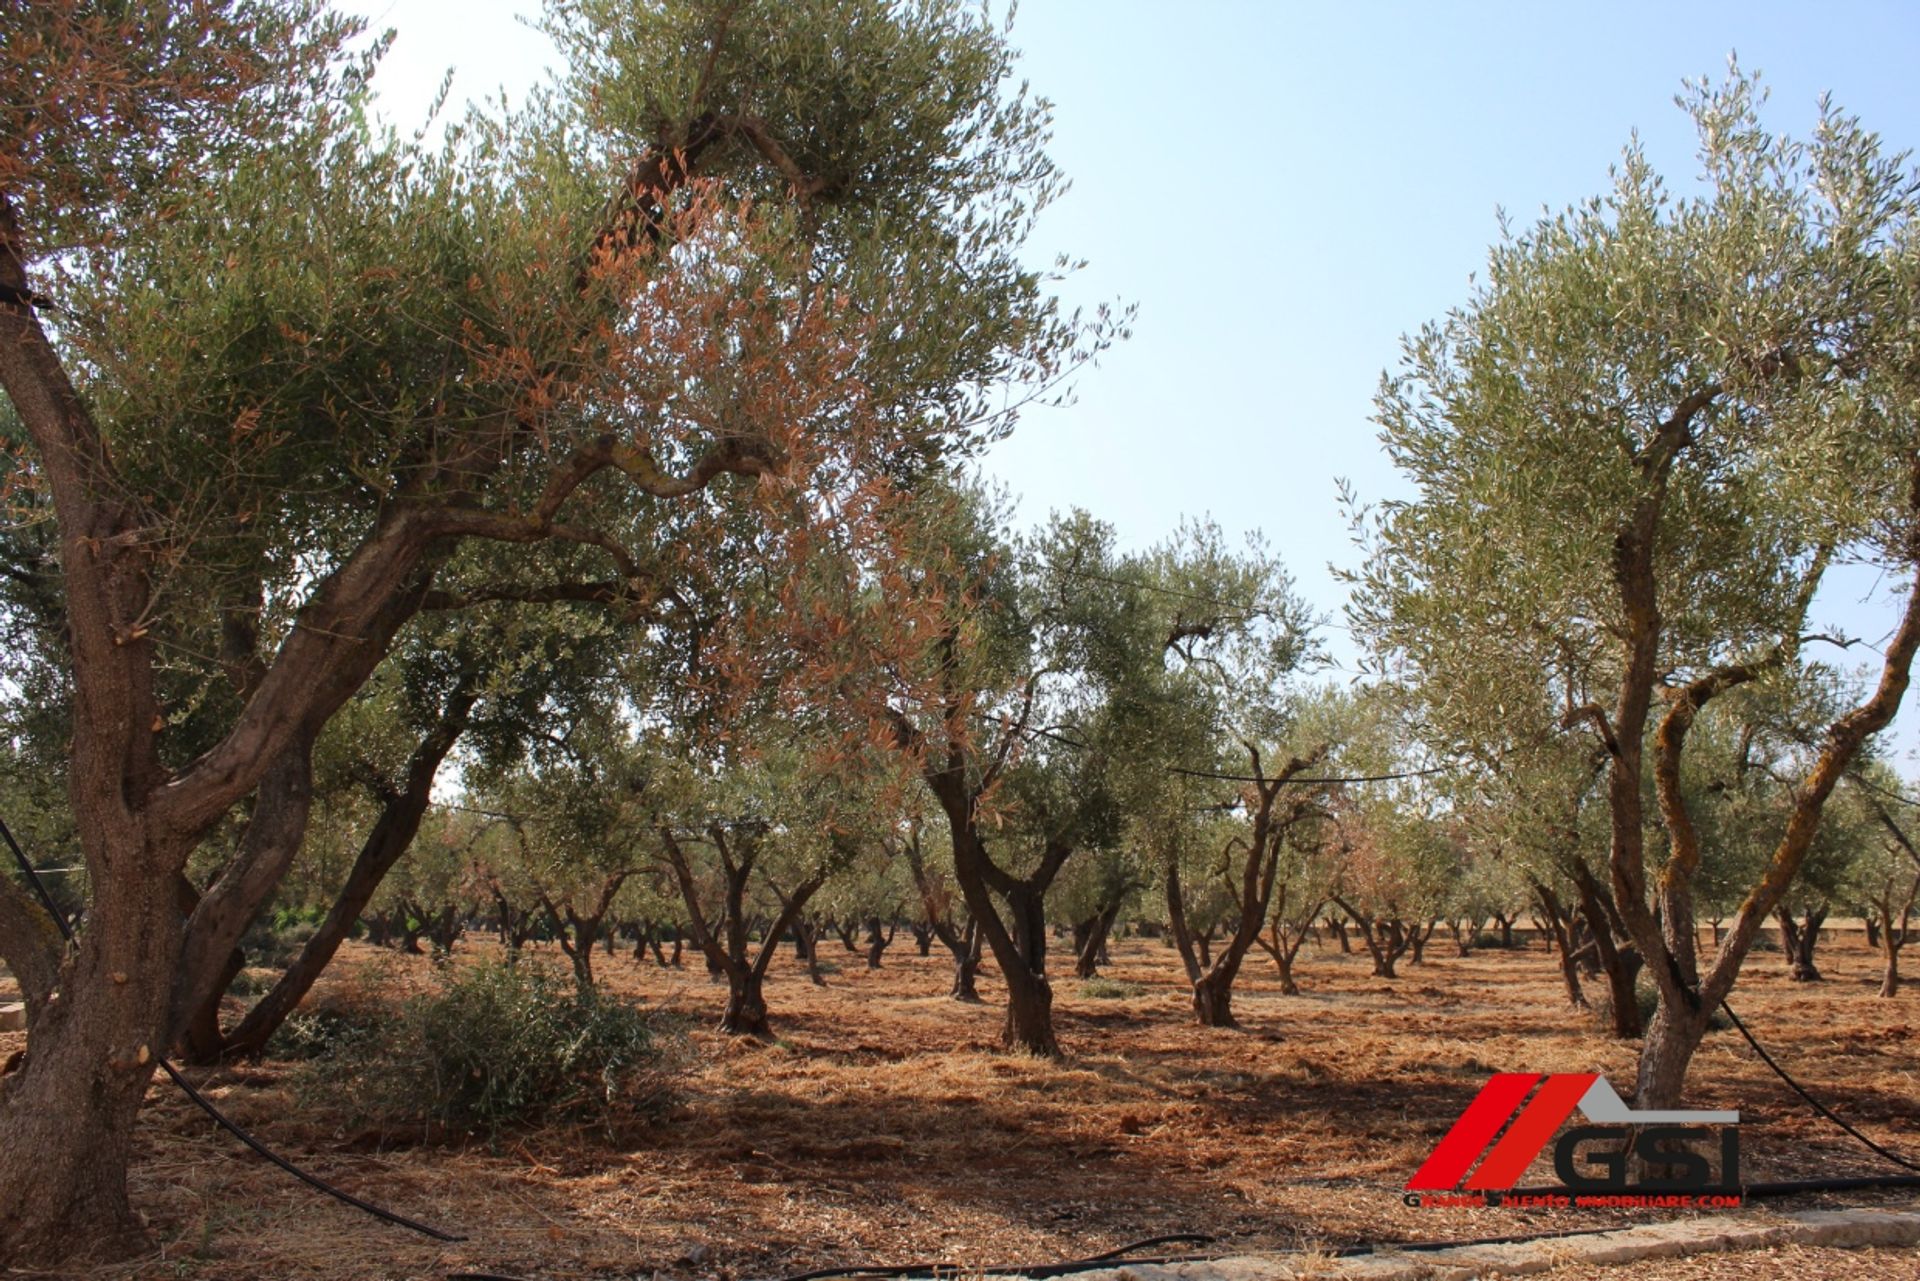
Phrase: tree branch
(1597, 714)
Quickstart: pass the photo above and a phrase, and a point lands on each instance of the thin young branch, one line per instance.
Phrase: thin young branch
(1598, 715)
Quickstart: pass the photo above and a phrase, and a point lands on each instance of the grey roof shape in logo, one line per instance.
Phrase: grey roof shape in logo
(1602, 1105)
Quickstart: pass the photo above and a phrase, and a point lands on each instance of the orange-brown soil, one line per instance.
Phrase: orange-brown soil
(885, 1126)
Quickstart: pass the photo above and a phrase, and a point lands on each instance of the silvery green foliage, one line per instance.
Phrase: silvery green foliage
(1779, 299)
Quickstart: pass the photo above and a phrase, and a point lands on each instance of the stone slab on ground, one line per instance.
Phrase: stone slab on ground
(1844, 1229)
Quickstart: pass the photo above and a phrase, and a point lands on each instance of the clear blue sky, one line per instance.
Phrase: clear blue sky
(1285, 189)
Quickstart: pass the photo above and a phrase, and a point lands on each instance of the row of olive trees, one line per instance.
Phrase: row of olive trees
(1118, 796)
(610, 449)
(1109, 724)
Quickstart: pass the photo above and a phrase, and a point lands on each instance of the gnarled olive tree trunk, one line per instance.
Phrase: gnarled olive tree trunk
(1090, 936)
(963, 943)
(391, 836)
(1557, 920)
(724, 940)
(1253, 889)
(1797, 941)
(1668, 937)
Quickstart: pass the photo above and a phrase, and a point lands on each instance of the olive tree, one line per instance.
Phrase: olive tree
(1219, 716)
(943, 907)
(1009, 674)
(1883, 881)
(578, 812)
(750, 838)
(1647, 435)
(273, 371)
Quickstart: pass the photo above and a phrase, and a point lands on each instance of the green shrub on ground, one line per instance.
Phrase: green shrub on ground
(1110, 989)
(274, 940)
(490, 1047)
(1647, 998)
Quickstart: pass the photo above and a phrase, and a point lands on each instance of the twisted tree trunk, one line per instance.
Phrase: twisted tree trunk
(1797, 940)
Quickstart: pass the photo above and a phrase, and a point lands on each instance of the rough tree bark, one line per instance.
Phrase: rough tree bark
(1253, 889)
(1620, 964)
(392, 834)
(1797, 940)
(141, 966)
(958, 782)
(1557, 918)
(726, 947)
(1659, 915)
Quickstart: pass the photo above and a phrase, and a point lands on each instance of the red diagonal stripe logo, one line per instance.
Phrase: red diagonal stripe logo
(1469, 1137)
(1530, 1131)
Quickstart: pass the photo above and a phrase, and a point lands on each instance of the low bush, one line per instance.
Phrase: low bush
(252, 982)
(1110, 989)
(1647, 998)
(273, 941)
(489, 1047)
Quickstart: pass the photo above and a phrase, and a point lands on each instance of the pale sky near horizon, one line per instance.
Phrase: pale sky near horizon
(1284, 190)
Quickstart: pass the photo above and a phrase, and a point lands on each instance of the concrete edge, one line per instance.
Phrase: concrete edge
(1841, 1229)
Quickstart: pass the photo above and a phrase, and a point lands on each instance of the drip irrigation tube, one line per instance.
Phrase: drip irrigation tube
(1812, 1102)
(313, 1181)
(936, 1271)
(1000, 1270)
(39, 886)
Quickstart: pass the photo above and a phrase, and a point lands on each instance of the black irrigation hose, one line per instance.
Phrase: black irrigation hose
(39, 887)
(1171, 1238)
(206, 1105)
(1000, 1270)
(1812, 1102)
(312, 1181)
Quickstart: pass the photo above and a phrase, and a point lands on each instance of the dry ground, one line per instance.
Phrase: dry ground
(884, 1126)
(1811, 1262)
